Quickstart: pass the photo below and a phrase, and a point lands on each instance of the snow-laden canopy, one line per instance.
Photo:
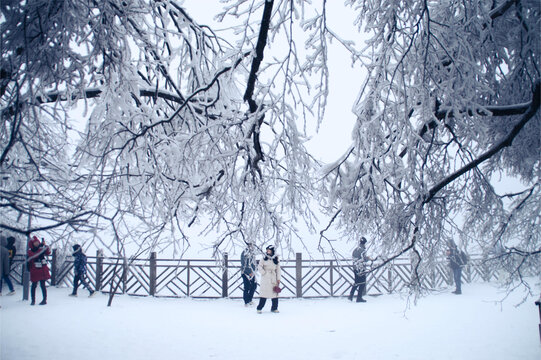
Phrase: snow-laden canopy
(185, 124)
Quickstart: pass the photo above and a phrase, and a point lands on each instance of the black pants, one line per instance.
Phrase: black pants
(80, 278)
(457, 275)
(360, 284)
(249, 288)
(43, 290)
(262, 302)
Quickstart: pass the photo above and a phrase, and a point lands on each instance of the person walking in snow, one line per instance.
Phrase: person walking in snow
(5, 266)
(79, 268)
(37, 265)
(269, 268)
(455, 263)
(359, 271)
(248, 266)
(12, 250)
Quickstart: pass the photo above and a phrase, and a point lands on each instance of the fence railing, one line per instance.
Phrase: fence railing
(214, 279)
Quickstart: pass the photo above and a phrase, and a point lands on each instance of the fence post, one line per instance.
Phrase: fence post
(298, 274)
(99, 269)
(390, 278)
(331, 278)
(54, 268)
(224, 277)
(188, 278)
(124, 275)
(152, 274)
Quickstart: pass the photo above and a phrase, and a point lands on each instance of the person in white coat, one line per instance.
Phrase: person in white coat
(269, 268)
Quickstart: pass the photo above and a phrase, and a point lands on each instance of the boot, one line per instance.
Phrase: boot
(44, 294)
(33, 294)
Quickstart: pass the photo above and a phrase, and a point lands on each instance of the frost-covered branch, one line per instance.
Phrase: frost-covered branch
(506, 142)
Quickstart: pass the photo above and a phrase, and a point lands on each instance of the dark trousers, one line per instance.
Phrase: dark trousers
(262, 302)
(8, 281)
(249, 288)
(457, 275)
(43, 290)
(80, 278)
(360, 284)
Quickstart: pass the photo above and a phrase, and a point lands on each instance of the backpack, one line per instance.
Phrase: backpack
(463, 258)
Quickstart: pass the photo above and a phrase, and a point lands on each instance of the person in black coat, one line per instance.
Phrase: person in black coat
(12, 250)
(79, 268)
(359, 270)
(247, 267)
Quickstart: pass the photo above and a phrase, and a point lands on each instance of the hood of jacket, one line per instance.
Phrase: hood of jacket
(33, 242)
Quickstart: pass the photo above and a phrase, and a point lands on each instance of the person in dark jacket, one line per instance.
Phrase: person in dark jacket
(37, 265)
(455, 263)
(359, 270)
(12, 250)
(247, 268)
(5, 267)
(79, 268)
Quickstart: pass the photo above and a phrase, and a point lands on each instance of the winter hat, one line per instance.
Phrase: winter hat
(363, 240)
(76, 247)
(273, 256)
(35, 241)
(271, 248)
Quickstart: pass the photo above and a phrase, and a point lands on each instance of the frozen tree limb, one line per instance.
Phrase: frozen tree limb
(506, 142)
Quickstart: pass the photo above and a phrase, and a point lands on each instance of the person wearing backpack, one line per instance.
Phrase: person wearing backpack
(359, 270)
(457, 259)
(79, 269)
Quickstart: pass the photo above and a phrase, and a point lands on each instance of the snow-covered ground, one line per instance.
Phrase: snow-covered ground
(441, 326)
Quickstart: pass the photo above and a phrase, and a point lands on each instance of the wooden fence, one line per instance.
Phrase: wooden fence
(195, 278)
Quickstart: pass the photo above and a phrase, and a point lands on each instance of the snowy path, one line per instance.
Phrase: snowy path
(442, 326)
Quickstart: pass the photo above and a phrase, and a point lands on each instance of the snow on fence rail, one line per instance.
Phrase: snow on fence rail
(211, 278)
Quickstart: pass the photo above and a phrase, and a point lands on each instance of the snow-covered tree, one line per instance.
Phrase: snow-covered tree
(450, 105)
(178, 128)
(190, 124)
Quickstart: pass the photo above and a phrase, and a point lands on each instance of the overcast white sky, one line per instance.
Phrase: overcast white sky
(334, 136)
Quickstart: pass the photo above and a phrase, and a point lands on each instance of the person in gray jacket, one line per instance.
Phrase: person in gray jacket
(5, 266)
(359, 270)
(456, 263)
(247, 268)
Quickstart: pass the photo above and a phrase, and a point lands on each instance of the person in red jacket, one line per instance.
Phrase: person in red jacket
(37, 265)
